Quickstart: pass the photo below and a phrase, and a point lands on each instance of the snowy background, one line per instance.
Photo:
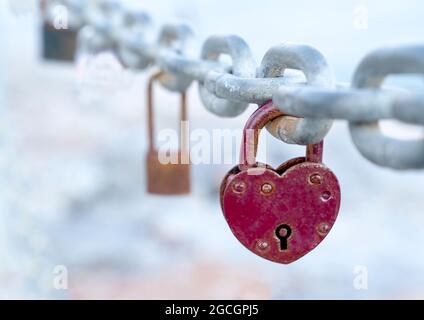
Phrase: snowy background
(72, 189)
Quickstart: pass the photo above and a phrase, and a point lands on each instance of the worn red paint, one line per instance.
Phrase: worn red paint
(302, 197)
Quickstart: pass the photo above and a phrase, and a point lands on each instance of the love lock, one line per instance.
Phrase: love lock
(279, 214)
(167, 178)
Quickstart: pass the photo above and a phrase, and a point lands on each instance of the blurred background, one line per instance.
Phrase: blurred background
(77, 223)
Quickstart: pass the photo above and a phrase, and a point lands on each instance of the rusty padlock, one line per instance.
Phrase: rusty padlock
(167, 178)
(279, 214)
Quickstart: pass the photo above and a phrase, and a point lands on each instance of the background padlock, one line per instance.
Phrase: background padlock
(169, 178)
(58, 43)
(279, 214)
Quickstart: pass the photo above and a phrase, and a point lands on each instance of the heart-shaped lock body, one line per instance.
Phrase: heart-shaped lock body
(280, 214)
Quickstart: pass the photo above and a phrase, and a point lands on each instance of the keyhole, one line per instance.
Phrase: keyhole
(283, 232)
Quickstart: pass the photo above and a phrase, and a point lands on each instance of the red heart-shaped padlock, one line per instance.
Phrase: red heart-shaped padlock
(279, 214)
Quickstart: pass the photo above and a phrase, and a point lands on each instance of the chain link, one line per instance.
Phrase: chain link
(227, 90)
(318, 74)
(365, 103)
(367, 136)
(243, 66)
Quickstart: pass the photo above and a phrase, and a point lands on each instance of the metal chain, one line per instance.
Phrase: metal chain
(227, 90)
(365, 103)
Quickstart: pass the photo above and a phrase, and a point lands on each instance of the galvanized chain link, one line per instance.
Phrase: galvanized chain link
(226, 90)
(365, 103)
(243, 66)
(318, 74)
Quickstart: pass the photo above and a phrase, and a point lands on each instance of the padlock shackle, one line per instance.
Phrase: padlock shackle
(314, 152)
(150, 113)
(259, 119)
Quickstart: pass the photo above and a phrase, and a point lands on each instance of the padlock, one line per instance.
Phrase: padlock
(58, 44)
(167, 178)
(279, 214)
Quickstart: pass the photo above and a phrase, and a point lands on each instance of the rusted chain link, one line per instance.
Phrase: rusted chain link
(310, 101)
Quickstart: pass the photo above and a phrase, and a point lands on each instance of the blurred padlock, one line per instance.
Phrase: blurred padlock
(59, 35)
(169, 176)
(58, 44)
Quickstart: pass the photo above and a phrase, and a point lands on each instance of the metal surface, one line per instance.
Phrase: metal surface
(166, 178)
(366, 136)
(132, 38)
(227, 90)
(90, 41)
(196, 69)
(343, 104)
(300, 198)
(243, 65)
(104, 22)
(249, 90)
(58, 45)
(173, 38)
(318, 74)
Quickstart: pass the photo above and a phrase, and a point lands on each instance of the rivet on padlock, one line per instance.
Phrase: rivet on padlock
(279, 214)
(167, 178)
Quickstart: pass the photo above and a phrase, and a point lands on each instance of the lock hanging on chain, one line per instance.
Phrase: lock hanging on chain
(58, 44)
(167, 178)
(279, 214)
